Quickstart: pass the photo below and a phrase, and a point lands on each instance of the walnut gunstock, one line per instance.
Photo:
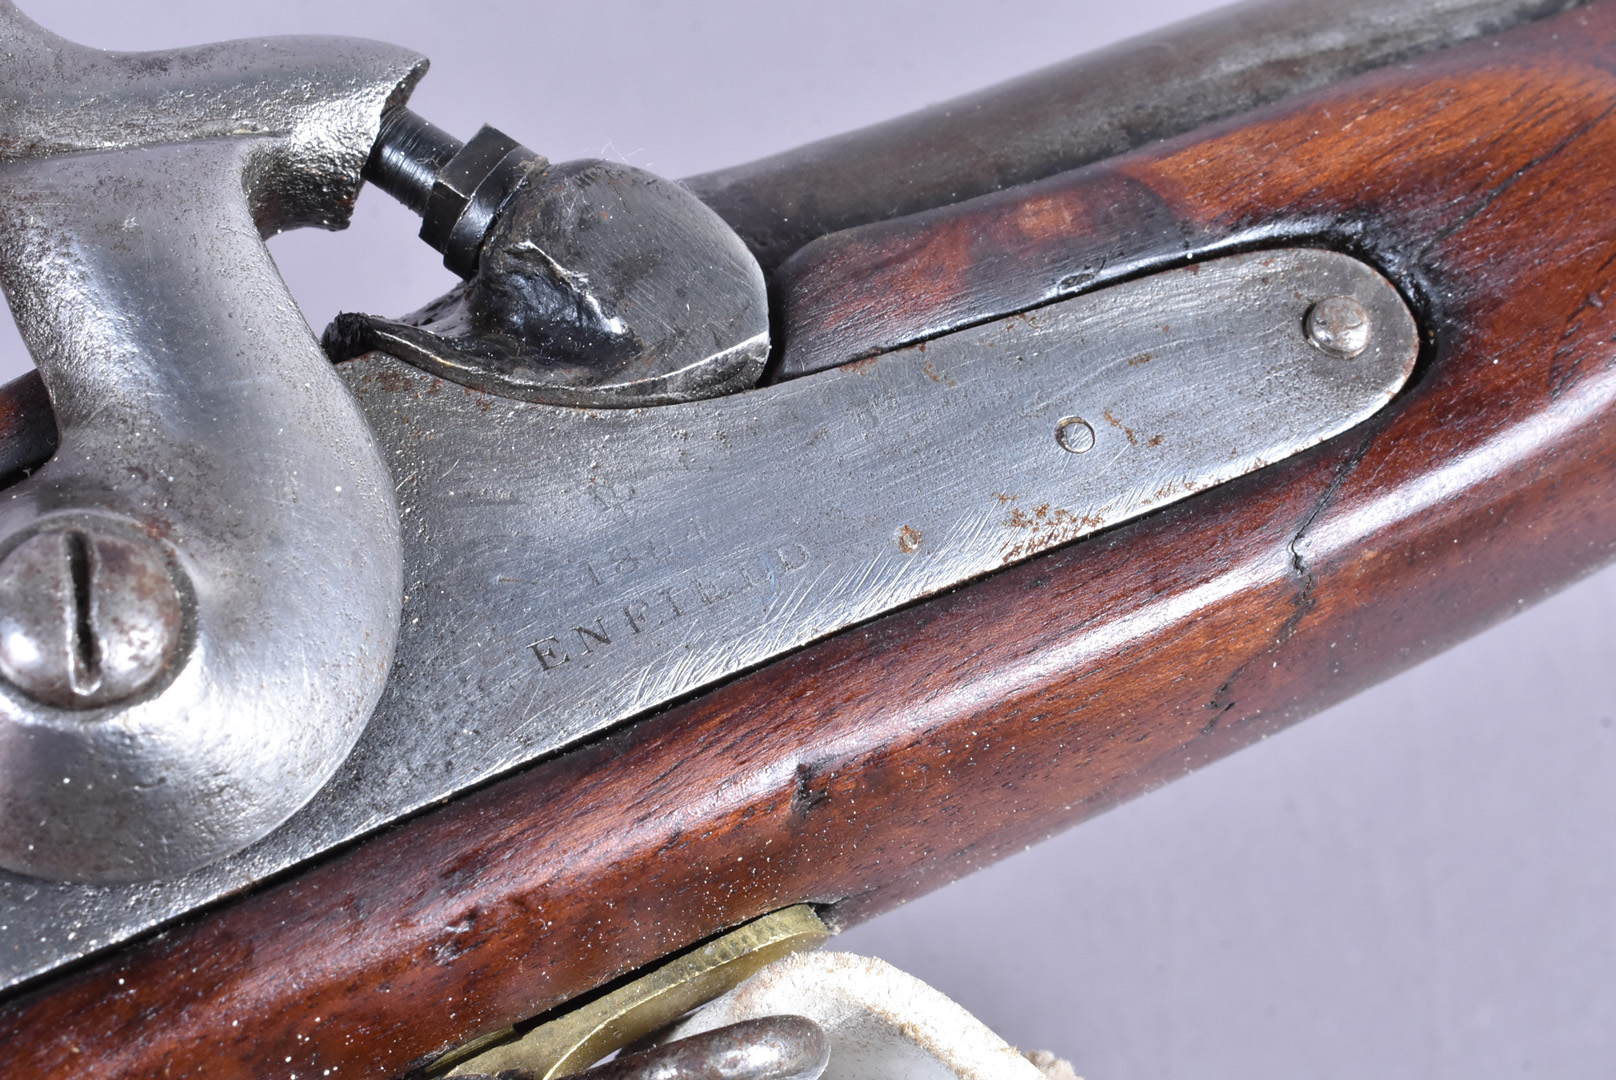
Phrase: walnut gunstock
(897, 756)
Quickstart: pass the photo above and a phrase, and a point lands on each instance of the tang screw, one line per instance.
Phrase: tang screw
(86, 618)
(1338, 325)
(1074, 434)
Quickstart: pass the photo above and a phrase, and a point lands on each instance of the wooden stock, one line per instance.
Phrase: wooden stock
(892, 758)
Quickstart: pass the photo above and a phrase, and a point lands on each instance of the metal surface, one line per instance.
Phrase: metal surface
(470, 191)
(768, 1048)
(409, 153)
(1339, 326)
(569, 569)
(1086, 109)
(87, 618)
(881, 1023)
(598, 284)
(1075, 435)
(584, 1033)
(458, 188)
(198, 415)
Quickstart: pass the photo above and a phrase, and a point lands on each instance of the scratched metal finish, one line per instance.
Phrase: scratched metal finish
(200, 421)
(567, 569)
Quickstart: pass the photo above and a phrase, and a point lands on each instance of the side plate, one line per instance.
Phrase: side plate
(568, 569)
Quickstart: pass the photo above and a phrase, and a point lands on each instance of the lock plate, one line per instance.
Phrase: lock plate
(567, 569)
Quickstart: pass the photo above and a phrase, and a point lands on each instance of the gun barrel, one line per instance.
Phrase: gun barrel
(1083, 110)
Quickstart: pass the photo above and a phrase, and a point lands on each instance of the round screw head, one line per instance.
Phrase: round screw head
(1075, 434)
(86, 619)
(1338, 325)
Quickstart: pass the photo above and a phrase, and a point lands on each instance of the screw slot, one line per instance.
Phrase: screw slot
(86, 618)
(86, 651)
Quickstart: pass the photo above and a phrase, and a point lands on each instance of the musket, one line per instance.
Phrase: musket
(1130, 623)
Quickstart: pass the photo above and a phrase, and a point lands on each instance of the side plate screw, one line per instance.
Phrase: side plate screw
(1338, 325)
(86, 619)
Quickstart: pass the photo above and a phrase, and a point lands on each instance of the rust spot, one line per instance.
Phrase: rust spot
(1169, 489)
(862, 364)
(1142, 358)
(931, 373)
(1049, 526)
(390, 379)
(1155, 440)
(908, 539)
(1133, 440)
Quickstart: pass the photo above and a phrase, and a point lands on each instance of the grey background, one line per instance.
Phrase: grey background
(1417, 883)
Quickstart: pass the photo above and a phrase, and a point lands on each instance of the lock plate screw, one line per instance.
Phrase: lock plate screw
(86, 618)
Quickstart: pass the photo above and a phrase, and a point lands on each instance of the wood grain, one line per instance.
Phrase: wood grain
(27, 427)
(893, 758)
